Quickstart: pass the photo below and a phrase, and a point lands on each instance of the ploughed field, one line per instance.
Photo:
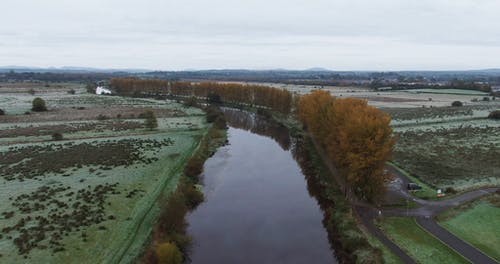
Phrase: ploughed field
(90, 197)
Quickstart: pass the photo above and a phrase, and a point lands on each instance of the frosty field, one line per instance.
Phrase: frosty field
(91, 197)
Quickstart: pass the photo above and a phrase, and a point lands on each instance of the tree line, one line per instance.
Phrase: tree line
(256, 95)
(356, 137)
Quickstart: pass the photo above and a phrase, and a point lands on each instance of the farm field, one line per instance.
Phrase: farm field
(61, 201)
(394, 99)
(455, 153)
(419, 244)
(477, 223)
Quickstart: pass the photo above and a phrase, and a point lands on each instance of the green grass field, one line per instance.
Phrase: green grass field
(93, 196)
(419, 244)
(478, 224)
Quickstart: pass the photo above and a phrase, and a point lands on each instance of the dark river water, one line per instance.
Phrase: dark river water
(258, 208)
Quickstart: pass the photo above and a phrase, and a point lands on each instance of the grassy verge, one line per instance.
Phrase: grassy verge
(387, 254)
(419, 244)
(478, 223)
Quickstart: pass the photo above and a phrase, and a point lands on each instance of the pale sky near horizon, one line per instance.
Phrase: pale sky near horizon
(252, 34)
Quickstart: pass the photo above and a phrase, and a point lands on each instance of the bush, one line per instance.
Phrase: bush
(457, 104)
(450, 190)
(31, 91)
(150, 122)
(194, 167)
(486, 99)
(2, 112)
(57, 136)
(214, 98)
(191, 102)
(38, 105)
(494, 115)
(193, 196)
(102, 117)
(216, 116)
(168, 253)
(72, 91)
(90, 87)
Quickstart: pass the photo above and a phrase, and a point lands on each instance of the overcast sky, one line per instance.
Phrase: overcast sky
(252, 34)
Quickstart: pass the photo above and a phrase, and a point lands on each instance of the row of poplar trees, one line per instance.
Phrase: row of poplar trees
(356, 137)
(279, 100)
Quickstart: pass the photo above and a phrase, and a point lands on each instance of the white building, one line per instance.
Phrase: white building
(102, 90)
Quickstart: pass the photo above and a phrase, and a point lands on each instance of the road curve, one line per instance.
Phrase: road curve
(469, 252)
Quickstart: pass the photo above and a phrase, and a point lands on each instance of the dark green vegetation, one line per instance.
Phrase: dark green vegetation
(44, 130)
(457, 104)
(69, 211)
(2, 112)
(150, 121)
(494, 115)
(32, 161)
(39, 105)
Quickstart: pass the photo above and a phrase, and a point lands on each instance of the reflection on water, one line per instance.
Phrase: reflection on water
(257, 208)
(258, 125)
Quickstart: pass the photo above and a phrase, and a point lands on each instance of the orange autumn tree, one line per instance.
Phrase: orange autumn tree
(357, 138)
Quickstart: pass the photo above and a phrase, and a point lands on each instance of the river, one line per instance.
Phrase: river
(258, 208)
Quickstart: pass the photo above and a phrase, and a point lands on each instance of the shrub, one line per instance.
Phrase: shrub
(191, 102)
(31, 91)
(486, 99)
(172, 219)
(2, 112)
(450, 190)
(494, 115)
(216, 116)
(168, 253)
(457, 104)
(71, 91)
(57, 136)
(150, 122)
(101, 117)
(194, 167)
(214, 98)
(192, 195)
(90, 87)
(38, 105)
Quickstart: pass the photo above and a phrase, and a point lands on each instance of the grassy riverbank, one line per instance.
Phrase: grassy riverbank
(169, 241)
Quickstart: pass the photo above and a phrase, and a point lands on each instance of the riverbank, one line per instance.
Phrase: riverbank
(169, 241)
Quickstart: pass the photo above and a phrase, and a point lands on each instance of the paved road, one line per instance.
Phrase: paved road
(424, 214)
(367, 215)
(425, 218)
(465, 249)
